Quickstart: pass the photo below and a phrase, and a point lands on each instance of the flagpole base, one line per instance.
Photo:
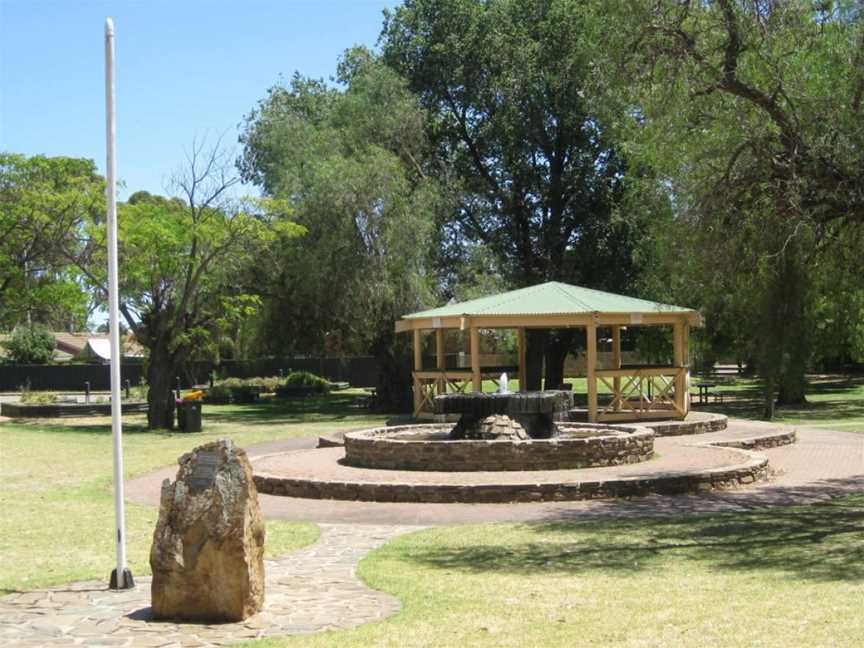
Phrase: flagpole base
(128, 581)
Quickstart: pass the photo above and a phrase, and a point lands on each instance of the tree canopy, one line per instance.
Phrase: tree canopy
(181, 261)
(44, 202)
(515, 118)
(352, 162)
(752, 110)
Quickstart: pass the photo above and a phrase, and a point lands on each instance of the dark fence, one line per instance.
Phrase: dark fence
(69, 377)
(360, 371)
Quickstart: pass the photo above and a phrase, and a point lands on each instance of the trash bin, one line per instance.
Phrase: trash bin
(189, 416)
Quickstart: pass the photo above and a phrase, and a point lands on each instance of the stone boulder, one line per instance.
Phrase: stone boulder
(208, 548)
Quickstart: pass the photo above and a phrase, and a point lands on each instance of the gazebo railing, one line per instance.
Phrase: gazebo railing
(429, 384)
(643, 393)
(434, 382)
(636, 393)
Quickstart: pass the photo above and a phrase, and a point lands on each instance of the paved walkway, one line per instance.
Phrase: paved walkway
(822, 464)
(311, 590)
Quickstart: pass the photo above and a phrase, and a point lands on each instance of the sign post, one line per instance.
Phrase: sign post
(121, 577)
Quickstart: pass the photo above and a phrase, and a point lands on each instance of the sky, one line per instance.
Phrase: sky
(185, 69)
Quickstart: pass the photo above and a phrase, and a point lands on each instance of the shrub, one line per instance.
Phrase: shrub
(38, 398)
(218, 392)
(138, 392)
(30, 345)
(269, 383)
(231, 383)
(306, 379)
(264, 383)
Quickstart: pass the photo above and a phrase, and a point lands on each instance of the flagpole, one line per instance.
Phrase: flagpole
(121, 577)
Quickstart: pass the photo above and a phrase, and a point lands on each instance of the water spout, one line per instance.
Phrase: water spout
(503, 383)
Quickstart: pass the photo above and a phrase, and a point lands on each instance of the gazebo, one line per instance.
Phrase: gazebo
(638, 392)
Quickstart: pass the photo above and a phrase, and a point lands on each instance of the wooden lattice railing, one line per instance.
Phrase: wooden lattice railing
(432, 383)
(643, 393)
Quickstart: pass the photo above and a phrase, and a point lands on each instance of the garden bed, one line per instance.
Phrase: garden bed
(66, 410)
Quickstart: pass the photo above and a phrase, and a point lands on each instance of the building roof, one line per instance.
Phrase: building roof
(96, 349)
(551, 298)
(85, 346)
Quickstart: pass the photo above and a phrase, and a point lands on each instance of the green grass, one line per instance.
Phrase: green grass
(833, 401)
(774, 577)
(56, 501)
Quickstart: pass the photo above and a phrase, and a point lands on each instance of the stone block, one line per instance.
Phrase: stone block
(208, 548)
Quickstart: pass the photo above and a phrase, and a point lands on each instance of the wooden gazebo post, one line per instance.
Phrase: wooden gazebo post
(591, 343)
(679, 348)
(476, 378)
(523, 370)
(616, 364)
(440, 360)
(418, 366)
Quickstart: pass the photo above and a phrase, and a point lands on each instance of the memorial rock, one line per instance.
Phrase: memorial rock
(208, 548)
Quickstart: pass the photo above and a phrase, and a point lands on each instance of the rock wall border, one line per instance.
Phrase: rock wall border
(392, 448)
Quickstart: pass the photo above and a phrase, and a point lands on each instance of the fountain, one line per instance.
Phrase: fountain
(535, 412)
(499, 432)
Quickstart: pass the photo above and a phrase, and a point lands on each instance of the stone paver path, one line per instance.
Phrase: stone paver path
(311, 590)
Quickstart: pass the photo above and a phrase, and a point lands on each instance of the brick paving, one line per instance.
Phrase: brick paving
(821, 464)
(311, 590)
(323, 464)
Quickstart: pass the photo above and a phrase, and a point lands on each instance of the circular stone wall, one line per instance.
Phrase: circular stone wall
(428, 447)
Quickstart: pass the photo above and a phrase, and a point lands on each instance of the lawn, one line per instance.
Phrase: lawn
(57, 520)
(779, 577)
(833, 401)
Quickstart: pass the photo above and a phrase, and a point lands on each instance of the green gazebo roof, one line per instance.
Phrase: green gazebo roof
(551, 298)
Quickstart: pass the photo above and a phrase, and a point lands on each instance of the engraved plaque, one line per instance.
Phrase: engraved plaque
(204, 472)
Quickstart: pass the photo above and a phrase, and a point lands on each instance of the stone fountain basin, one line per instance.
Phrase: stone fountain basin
(429, 447)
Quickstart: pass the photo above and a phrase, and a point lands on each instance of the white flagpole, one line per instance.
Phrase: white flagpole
(121, 578)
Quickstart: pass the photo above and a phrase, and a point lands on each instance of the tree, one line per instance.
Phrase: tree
(352, 162)
(753, 110)
(30, 345)
(180, 260)
(44, 202)
(508, 86)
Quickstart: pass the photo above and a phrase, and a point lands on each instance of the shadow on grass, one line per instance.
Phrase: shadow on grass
(830, 399)
(332, 408)
(815, 412)
(269, 411)
(821, 542)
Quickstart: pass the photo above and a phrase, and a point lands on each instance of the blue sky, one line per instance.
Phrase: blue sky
(187, 68)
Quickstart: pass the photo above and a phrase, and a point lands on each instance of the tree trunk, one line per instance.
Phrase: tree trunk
(768, 399)
(785, 343)
(558, 344)
(161, 372)
(394, 388)
(535, 343)
(792, 389)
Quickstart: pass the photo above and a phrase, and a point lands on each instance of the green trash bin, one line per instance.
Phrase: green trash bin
(189, 416)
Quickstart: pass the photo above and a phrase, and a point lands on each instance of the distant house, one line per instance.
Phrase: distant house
(87, 347)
